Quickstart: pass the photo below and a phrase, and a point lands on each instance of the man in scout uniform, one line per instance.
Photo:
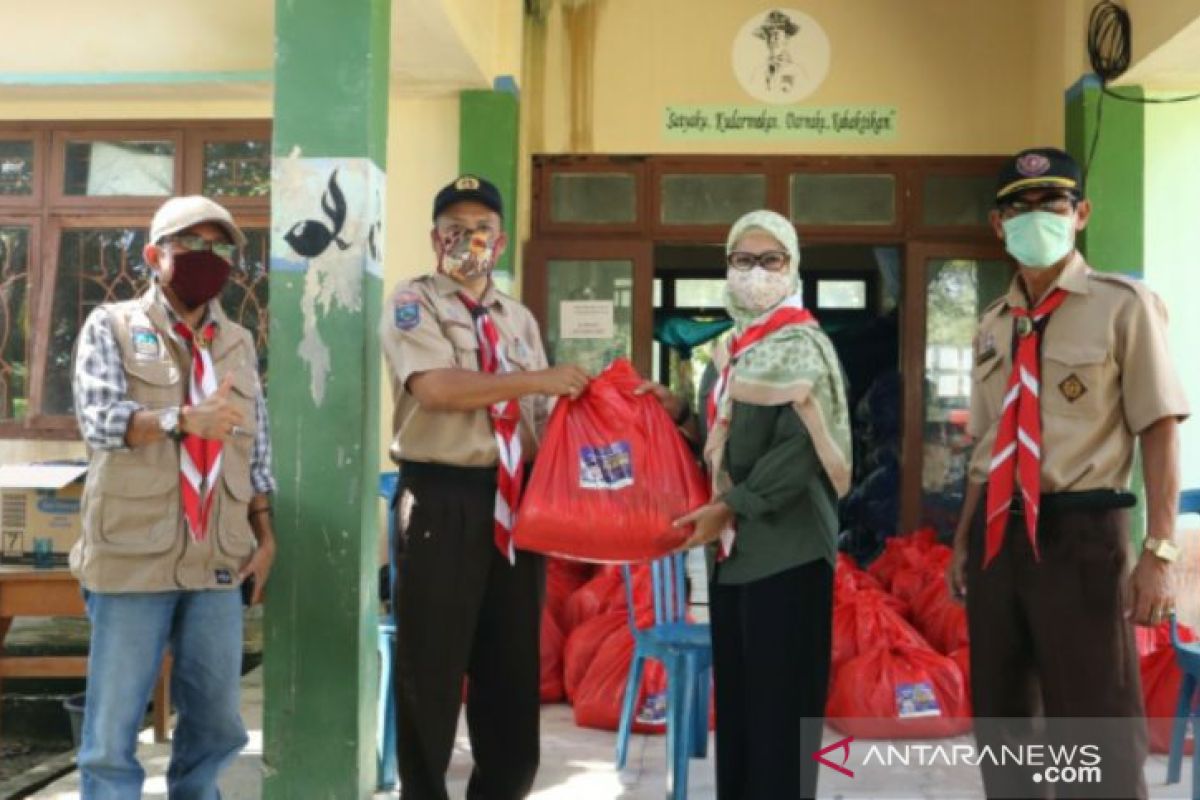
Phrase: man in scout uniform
(1071, 367)
(470, 382)
(176, 509)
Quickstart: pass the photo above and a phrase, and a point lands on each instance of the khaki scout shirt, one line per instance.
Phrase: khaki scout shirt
(426, 326)
(1106, 377)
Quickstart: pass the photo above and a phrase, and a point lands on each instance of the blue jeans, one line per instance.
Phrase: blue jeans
(129, 634)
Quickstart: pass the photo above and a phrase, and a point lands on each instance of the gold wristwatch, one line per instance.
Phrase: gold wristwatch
(1162, 548)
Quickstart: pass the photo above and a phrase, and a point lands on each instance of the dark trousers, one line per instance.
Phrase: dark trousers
(1050, 635)
(771, 648)
(463, 611)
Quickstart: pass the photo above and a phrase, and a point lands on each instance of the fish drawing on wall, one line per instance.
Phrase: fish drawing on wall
(310, 238)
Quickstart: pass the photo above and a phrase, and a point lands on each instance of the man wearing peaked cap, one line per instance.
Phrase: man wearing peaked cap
(470, 385)
(1071, 371)
(176, 508)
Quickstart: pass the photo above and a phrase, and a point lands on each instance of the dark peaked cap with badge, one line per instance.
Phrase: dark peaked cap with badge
(1039, 168)
(468, 187)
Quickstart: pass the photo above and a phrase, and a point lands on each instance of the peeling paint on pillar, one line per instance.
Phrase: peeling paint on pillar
(330, 242)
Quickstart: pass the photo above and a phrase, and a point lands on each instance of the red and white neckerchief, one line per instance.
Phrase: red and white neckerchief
(790, 312)
(1018, 446)
(199, 459)
(506, 419)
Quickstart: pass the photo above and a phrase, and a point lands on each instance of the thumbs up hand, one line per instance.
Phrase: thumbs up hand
(215, 417)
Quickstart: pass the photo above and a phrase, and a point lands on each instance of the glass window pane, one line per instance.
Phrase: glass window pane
(596, 198)
(14, 321)
(957, 292)
(591, 312)
(237, 169)
(245, 296)
(957, 199)
(16, 167)
(832, 199)
(710, 199)
(700, 293)
(95, 266)
(843, 295)
(120, 168)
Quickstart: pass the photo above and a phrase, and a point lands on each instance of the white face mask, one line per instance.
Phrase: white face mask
(758, 289)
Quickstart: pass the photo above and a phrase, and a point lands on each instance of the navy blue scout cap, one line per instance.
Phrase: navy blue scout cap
(1039, 168)
(468, 187)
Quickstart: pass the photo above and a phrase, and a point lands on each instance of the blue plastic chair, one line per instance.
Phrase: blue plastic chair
(1188, 658)
(685, 650)
(385, 724)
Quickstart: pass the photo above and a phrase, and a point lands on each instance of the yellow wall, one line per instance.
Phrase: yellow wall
(80, 36)
(968, 76)
(422, 158)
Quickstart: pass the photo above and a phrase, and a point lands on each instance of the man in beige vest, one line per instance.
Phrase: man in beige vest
(176, 509)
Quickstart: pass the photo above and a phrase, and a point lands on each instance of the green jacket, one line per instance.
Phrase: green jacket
(786, 507)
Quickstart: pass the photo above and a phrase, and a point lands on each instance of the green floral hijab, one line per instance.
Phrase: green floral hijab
(797, 364)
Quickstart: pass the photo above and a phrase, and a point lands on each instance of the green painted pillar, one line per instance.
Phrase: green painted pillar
(1114, 240)
(327, 189)
(489, 145)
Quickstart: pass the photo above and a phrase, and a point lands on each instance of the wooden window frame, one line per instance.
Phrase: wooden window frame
(847, 165)
(33, 202)
(546, 167)
(660, 168)
(48, 211)
(980, 166)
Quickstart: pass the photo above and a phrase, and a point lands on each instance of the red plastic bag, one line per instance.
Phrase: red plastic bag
(600, 695)
(612, 475)
(900, 552)
(552, 689)
(563, 579)
(899, 693)
(962, 657)
(583, 645)
(869, 621)
(593, 598)
(910, 580)
(1161, 677)
(939, 618)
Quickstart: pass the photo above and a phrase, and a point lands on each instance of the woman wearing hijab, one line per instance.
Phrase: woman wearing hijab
(777, 432)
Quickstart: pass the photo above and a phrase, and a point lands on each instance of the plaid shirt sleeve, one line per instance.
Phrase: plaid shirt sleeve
(260, 458)
(102, 403)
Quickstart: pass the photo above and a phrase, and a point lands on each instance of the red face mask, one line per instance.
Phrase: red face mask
(198, 277)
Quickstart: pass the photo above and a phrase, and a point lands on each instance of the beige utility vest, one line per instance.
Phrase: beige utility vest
(134, 537)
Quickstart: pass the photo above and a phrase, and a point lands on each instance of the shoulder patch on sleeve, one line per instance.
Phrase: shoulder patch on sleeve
(406, 310)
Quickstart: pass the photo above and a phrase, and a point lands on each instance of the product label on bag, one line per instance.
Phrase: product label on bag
(916, 700)
(608, 466)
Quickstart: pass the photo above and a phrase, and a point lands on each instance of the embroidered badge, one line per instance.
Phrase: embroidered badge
(1072, 388)
(224, 577)
(145, 343)
(1032, 164)
(407, 311)
(466, 183)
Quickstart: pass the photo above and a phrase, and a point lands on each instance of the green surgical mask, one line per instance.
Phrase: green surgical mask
(1039, 239)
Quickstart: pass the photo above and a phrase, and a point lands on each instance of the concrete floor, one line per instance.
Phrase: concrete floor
(577, 764)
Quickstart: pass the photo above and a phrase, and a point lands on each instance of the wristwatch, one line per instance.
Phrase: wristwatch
(169, 422)
(1164, 549)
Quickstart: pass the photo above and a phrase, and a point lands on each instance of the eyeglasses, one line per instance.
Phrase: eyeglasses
(771, 260)
(198, 244)
(1062, 204)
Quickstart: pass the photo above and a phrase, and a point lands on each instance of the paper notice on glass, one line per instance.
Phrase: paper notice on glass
(586, 319)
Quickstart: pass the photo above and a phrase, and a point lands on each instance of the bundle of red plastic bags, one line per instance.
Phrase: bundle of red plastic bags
(900, 652)
(611, 477)
(1161, 677)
